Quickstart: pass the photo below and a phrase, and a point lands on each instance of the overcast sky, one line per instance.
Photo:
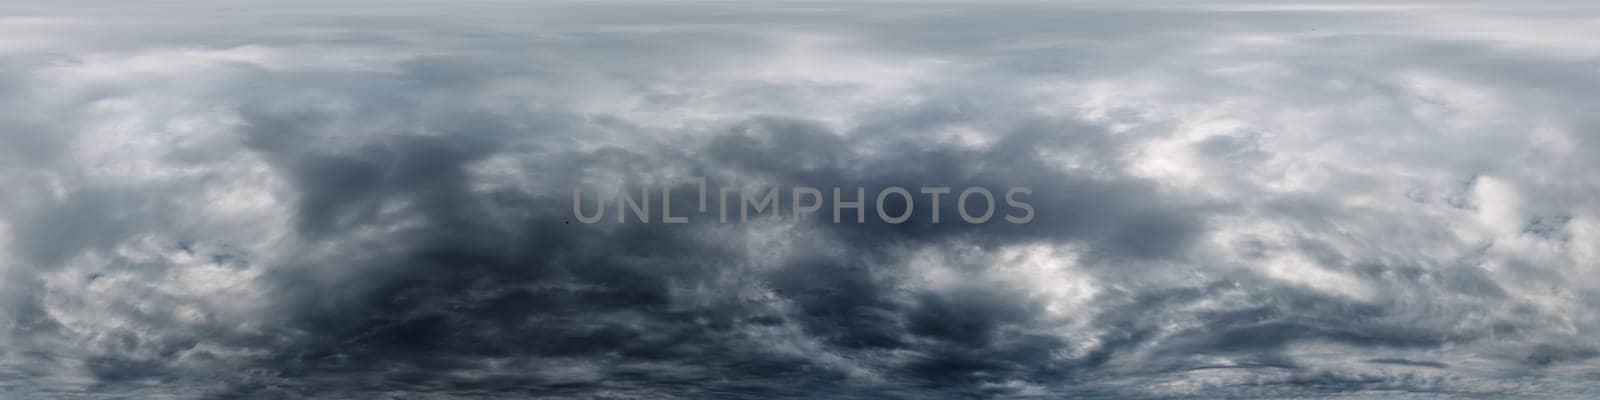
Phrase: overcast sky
(1247, 200)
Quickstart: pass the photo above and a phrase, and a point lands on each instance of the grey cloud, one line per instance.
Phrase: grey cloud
(1231, 202)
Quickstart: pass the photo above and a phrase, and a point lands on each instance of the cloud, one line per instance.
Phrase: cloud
(1232, 201)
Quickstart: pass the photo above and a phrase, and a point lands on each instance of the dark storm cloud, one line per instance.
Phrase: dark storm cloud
(461, 287)
(1231, 202)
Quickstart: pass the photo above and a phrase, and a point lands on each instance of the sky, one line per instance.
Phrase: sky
(258, 200)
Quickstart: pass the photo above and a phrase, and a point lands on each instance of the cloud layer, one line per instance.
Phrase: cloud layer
(1242, 200)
